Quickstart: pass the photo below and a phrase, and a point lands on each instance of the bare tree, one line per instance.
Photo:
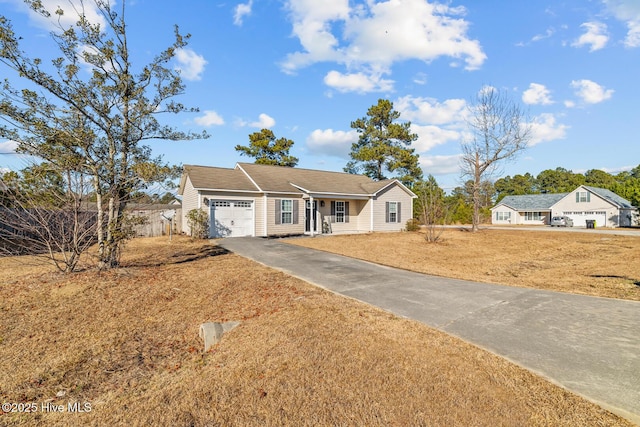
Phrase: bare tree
(499, 132)
(45, 213)
(433, 211)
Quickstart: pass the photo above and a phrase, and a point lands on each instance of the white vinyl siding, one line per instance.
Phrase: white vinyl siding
(275, 227)
(404, 209)
(189, 202)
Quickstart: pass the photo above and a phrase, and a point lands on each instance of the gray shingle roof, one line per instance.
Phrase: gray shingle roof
(279, 179)
(530, 202)
(610, 197)
(212, 178)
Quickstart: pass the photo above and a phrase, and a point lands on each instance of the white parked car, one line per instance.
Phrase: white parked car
(561, 221)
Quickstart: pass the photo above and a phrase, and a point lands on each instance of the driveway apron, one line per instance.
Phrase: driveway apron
(588, 345)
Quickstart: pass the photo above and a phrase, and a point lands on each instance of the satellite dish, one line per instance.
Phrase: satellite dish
(168, 215)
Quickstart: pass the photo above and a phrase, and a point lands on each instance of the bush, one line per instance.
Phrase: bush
(198, 222)
(413, 225)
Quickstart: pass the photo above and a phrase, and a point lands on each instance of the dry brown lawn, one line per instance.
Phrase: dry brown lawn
(126, 342)
(592, 264)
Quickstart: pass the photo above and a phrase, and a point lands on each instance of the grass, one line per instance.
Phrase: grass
(590, 264)
(126, 342)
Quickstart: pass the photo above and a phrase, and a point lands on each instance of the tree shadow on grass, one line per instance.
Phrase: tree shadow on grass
(180, 257)
(613, 276)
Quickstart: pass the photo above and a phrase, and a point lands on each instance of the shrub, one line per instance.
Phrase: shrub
(413, 225)
(198, 222)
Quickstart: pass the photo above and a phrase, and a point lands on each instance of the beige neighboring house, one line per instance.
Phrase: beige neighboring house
(584, 203)
(262, 200)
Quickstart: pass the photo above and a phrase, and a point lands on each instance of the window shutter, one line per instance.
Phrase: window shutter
(278, 211)
(346, 211)
(399, 210)
(588, 196)
(386, 214)
(333, 211)
(577, 197)
(295, 211)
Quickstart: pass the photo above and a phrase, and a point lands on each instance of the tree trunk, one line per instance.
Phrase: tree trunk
(477, 175)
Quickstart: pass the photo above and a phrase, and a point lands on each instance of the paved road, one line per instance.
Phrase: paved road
(588, 345)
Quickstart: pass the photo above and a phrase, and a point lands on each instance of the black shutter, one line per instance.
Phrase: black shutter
(295, 211)
(577, 197)
(386, 211)
(346, 211)
(588, 196)
(278, 211)
(398, 210)
(333, 211)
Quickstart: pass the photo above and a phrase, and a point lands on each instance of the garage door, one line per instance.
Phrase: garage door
(580, 218)
(231, 218)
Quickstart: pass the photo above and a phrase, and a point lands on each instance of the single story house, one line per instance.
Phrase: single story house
(584, 203)
(264, 200)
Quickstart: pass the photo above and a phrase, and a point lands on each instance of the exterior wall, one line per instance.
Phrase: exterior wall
(189, 202)
(545, 217)
(356, 213)
(391, 194)
(364, 219)
(256, 198)
(513, 216)
(274, 229)
(582, 211)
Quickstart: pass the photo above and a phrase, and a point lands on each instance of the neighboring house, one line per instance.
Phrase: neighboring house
(262, 200)
(584, 203)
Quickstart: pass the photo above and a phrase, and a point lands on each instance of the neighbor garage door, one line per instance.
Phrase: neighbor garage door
(580, 218)
(231, 218)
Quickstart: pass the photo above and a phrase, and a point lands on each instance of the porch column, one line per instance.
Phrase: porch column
(311, 213)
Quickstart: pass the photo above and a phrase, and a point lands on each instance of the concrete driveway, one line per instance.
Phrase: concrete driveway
(588, 345)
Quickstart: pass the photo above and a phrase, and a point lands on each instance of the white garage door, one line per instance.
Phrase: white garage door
(231, 218)
(580, 218)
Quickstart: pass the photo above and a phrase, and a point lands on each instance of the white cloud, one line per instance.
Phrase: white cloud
(357, 82)
(368, 38)
(420, 79)
(8, 147)
(591, 92)
(596, 36)
(264, 122)
(440, 165)
(330, 142)
(537, 94)
(71, 8)
(627, 11)
(430, 136)
(190, 64)
(545, 128)
(546, 35)
(430, 111)
(210, 118)
(240, 11)
(569, 104)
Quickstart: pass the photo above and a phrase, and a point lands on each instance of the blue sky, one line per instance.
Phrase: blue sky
(307, 68)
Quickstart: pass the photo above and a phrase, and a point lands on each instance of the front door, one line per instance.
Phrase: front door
(308, 215)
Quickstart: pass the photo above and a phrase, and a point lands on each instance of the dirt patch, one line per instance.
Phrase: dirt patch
(126, 342)
(587, 264)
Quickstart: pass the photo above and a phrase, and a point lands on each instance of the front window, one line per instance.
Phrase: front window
(393, 211)
(340, 211)
(533, 216)
(582, 196)
(286, 211)
(503, 216)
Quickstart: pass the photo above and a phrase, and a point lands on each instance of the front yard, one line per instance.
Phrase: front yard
(591, 264)
(125, 343)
